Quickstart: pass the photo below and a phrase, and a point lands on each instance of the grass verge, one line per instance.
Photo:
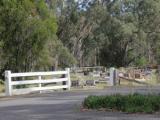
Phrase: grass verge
(126, 103)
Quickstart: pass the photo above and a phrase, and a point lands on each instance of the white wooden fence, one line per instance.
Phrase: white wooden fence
(9, 83)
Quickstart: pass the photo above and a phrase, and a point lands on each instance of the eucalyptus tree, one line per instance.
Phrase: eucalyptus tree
(132, 30)
(26, 28)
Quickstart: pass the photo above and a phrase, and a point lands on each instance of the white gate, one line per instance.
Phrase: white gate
(9, 83)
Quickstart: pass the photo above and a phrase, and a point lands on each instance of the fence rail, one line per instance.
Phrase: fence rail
(9, 83)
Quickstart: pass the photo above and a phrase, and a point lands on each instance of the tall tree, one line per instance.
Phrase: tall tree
(26, 28)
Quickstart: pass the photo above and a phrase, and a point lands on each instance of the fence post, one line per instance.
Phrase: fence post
(112, 78)
(8, 84)
(68, 77)
(40, 85)
(117, 80)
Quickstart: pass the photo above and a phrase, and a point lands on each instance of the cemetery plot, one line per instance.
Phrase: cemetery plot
(86, 77)
(138, 76)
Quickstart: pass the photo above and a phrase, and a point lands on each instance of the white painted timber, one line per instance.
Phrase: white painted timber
(68, 77)
(25, 82)
(9, 83)
(38, 73)
(8, 86)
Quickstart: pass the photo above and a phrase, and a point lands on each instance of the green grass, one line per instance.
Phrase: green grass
(128, 103)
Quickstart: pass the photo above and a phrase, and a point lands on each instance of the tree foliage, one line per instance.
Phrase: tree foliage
(115, 33)
(38, 34)
(28, 35)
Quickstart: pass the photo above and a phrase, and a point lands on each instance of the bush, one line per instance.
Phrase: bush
(1, 82)
(128, 103)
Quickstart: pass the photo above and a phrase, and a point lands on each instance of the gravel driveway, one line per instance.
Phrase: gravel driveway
(62, 106)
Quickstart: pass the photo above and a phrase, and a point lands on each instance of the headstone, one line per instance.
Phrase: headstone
(86, 73)
(96, 74)
(137, 75)
(90, 82)
(75, 83)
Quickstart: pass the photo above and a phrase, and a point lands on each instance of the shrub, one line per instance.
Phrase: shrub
(126, 103)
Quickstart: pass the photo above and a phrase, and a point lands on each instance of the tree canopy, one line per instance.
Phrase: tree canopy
(41, 34)
(112, 32)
